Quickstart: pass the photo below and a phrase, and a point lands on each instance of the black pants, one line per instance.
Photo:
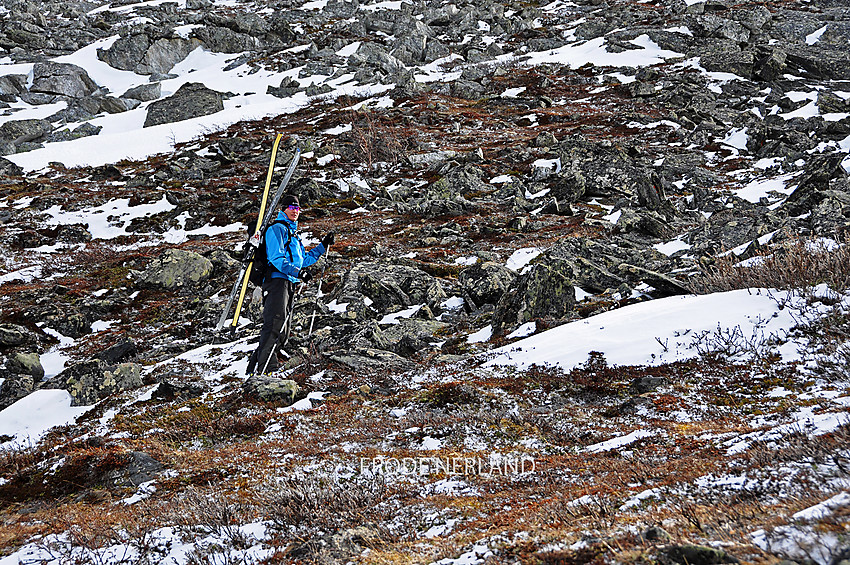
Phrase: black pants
(278, 302)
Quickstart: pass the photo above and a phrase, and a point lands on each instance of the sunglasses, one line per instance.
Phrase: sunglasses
(294, 207)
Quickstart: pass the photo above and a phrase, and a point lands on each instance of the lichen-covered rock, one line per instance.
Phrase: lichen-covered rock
(144, 92)
(15, 386)
(267, 388)
(544, 291)
(20, 131)
(486, 282)
(126, 52)
(696, 555)
(177, 268)
(26, 364)
(94, 380)
(411, 336)
(63, 79)
(191, 100)
(12, 334)
(163, 54)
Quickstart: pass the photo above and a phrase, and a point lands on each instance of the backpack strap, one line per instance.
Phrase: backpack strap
(288, 239)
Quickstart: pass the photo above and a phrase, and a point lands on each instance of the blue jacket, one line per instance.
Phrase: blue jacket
(288, 260)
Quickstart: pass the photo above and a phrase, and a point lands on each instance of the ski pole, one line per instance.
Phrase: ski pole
(319, 290)
(283, 327)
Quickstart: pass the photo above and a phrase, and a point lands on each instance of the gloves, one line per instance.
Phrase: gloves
(305, 276)
(329, 239)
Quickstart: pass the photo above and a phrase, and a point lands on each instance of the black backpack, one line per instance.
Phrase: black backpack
(261, 265)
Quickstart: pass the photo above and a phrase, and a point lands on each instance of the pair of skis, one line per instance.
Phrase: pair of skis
(263, 219)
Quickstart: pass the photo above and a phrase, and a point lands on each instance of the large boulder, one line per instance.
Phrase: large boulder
(12, 334)
(26, 364)
(126, 53)
(144, 92)
(22, 131)
(176, 269)
(63, 79)
(545, 291)
(191, 100)
(486, 283)
(461, 181)
(386, 287)
(266, 388)
(163, 54)
(603, 169)
(411, 336)
(11, 86)
(225, 40)
(94, 380)
(14, 387)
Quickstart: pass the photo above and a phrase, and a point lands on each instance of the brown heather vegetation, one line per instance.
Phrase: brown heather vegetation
(232, 462)
(797, 264)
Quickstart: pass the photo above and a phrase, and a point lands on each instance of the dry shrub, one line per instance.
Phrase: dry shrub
(94, 535)
(322, 504)
(15, 460)
(595, 554)
(445, 394)
(214, 512)
(375, 141)
(595, 378)
(800, 445)
(74, 473)
(797, 265)
(194, 421)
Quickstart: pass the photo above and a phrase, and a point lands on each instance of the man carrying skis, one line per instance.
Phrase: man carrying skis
(287, 263)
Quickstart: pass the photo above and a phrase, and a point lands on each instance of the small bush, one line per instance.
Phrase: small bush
(322, 504)
(444, 394)
(374, 140)
(797, 265)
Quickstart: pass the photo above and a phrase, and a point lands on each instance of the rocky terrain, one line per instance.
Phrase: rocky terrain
(492, 171)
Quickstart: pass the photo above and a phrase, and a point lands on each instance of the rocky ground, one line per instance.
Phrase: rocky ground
(514, 189)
